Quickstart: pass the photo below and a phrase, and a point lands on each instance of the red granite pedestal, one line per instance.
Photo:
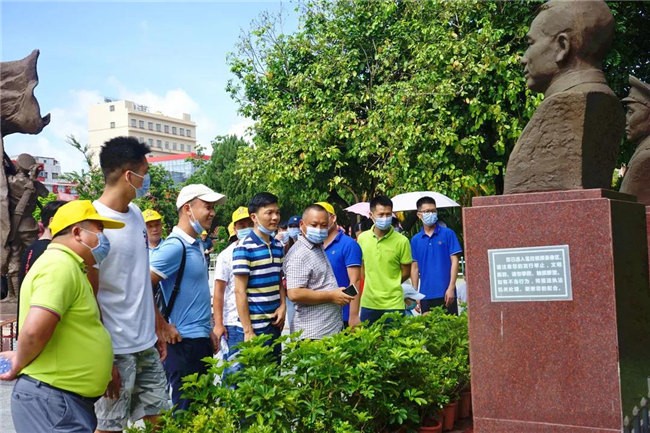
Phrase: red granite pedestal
(560, 366)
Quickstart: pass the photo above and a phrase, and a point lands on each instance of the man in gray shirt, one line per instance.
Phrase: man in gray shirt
(311, 284)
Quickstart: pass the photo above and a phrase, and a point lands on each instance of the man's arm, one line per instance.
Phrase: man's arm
(217, 308)
(36, 331)
(166, 332)
(354, 274)
(406, 271)
(415, 274)
(93, 277)
(450, 293)
(241, 299)
(305, 296)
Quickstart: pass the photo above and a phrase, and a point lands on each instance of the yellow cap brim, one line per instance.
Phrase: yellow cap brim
(108, 223)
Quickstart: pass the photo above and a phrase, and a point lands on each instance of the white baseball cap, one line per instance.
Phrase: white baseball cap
(411, 293)
(200, 191)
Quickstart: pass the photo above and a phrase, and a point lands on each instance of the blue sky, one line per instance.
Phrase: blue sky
(170, 56)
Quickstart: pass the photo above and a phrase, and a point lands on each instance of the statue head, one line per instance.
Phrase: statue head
(637, 117)
(26, 162)
(19, 109)
(565, 36)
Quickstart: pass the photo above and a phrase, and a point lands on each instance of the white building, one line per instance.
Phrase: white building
(165, 135)
(50, 175)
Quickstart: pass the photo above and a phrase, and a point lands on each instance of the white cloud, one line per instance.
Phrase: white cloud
(242, 129)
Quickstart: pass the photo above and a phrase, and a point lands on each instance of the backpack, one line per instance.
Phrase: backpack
(164, 307)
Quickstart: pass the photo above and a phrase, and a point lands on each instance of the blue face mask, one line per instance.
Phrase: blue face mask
(144, 189)
(265, 230)
(316, 236)
(383, 223)
(103, 246)
(242, 233)
(294, 232)
(430, 218)
(411, 304)
(196, 226)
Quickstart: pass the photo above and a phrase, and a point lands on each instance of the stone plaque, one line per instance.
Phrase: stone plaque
(530, 274)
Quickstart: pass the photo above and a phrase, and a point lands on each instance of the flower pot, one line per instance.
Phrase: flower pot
(449, 416)
(465, 404)
(431, 429)
(457, 413)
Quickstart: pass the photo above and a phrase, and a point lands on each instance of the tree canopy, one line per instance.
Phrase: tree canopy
(394, 96)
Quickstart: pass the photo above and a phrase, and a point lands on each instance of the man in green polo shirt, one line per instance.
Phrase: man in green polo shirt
(386, 263)
(64, 358)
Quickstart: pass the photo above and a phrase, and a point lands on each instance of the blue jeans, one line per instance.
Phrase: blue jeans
(372, 315)
(236, 336)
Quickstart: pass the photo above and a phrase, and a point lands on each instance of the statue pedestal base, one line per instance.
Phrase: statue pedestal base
(560, 366)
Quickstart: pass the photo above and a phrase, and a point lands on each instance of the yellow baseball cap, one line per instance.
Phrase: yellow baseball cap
(77, 211)
(239, 214)
(328, 207)
(231, 230)
(151, 215)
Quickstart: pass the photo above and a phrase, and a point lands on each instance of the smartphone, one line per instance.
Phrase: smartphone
(351, 290)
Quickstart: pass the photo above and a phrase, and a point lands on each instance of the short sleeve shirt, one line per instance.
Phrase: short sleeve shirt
(306, 266)
(382, 260)
(343, 252)
(79, 356)
(191, 311)
(223, 272)
(433, 254)
(262, 262)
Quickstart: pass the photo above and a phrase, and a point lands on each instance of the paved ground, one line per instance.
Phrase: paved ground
(6, 425)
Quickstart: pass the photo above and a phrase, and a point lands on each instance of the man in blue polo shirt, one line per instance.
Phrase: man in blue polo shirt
(436, 253)
(344, 254)
(191, 311)
(257, 267)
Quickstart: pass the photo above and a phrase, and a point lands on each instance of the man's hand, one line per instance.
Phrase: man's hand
(161, 346)
(215, 342)
(114, 386)
(340, 298)
(279, 316)
(220, 330)
(249, 334)
(418, 308)
(170, 334)
(450, 295)
(353, 321)
(13, 372)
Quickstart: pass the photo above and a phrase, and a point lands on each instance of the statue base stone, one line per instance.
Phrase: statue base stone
(560, 366)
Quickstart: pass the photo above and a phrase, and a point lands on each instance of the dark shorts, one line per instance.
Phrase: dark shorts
(427, 304)
(372, 315)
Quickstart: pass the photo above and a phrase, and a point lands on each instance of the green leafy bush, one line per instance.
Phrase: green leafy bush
(379, 378)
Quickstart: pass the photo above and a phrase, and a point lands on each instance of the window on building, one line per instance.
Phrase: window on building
(182, 132)
(166, 129)
(150, 141)
(189, 132)
(44, 174)
(174, 146)
(189, 147)
(141, 139)
(158, 127)
(159, 143)
(150, 126)
(111, 108)
(141, 124)
(133, 123)
(112, 124)
(183, 147)
(167, 145)
(55, 175)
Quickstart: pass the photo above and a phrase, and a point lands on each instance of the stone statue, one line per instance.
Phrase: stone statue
(637, 177)
(19, 112)
(572, 140)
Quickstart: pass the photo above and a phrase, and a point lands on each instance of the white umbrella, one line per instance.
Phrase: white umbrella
(362, 208)
(407, 201)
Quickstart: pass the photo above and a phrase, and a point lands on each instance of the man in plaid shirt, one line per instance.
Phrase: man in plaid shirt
(311, 283)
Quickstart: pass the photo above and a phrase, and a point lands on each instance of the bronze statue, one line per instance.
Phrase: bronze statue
(572, 140)
(637, 177)
(19, 112)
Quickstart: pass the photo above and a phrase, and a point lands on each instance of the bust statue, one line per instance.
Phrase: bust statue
(572, 140)
(637, 177)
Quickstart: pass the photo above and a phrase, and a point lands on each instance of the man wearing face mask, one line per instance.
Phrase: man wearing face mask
(435, 264)
(224, 306)
(257, 266)
(125, 294)
(311, 284)
(386, 263)
(64, 357)
(190, 311)
(344, 255)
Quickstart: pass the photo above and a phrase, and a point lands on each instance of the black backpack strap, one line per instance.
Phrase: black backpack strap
(177, 283)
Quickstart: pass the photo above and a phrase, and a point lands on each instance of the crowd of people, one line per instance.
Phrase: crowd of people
(112, 316)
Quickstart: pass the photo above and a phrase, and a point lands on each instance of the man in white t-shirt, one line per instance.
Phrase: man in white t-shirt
(224, 307)
(124, 294)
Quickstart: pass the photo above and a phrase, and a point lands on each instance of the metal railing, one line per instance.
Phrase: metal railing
(639, 423)
(7, 334)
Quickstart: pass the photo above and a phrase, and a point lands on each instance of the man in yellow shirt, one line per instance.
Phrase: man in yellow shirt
(64, 357)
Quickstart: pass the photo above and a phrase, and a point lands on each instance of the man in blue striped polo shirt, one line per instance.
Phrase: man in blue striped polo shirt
(257, 266)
